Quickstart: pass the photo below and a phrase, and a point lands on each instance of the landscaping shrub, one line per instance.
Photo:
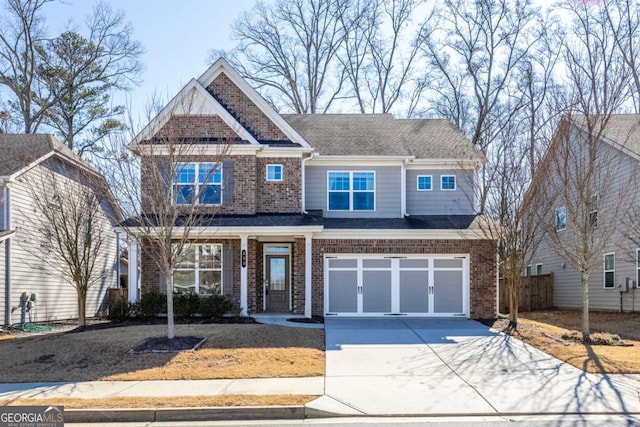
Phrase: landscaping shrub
(185, 305)
(119, 311)
(215, 306)
(150, 305)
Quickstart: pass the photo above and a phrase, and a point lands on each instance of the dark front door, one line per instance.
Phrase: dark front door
(277, 282)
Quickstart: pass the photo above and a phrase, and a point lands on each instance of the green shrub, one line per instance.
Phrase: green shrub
(185, 305)
(119, 311)
(150, 305)
(215, 306)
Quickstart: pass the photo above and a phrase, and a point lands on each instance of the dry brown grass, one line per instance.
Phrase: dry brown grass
(167, 402)
(591, 358)
(231, 351)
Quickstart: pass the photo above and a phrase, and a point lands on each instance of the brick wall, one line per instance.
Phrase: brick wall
(297, 280)
(195, 126)
(279, 196)
(482, 273)
(223, 88)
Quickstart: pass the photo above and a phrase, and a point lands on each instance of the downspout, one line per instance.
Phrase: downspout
(403, 188)
(304, 182)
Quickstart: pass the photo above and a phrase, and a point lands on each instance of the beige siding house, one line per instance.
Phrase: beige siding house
(27, 263)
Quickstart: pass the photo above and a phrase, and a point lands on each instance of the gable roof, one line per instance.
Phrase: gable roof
(382, 135)
(19, 151)
(624, 130)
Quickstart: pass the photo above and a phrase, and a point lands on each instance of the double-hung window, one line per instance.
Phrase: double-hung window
(609, 270)
(199, 269)
(198, 183)
(561, 218)
(351, 191)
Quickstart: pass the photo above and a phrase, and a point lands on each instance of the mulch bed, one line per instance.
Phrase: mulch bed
(166, 345)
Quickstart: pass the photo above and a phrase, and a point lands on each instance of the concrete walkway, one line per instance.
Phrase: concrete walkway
(455, 366)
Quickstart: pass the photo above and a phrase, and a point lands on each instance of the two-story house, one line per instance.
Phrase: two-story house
(585, 196)
(322, 215)
(30, 264)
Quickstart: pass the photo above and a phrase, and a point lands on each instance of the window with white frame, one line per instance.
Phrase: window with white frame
(198, 183)
(424, 183)
(199, 269)
(527, 271)
(448, 182)
(274, 172)
(561, 218)
(538, 269)
(609, 270)
(351, 190)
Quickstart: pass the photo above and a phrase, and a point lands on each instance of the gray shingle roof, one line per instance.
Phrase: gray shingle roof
(19, 150)
(625, 130)
(382, 135)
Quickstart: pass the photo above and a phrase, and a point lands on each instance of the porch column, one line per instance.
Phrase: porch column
(132, 271)
(244, 282)
(307, 275)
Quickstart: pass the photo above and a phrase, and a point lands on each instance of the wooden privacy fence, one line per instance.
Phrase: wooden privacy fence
(535, 293)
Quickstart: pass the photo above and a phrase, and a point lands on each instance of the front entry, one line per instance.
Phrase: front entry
(277, 282)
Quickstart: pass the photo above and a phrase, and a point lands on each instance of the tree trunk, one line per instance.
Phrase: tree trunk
(82, 307)
(171, 327)
(586, 336)
(513, 305)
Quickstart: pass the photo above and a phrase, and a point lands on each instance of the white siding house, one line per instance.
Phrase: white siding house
(26, 260)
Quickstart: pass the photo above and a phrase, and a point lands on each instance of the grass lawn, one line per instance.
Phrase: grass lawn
(231, 351)
(542, 329)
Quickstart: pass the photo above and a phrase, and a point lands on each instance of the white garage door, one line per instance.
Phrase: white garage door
(413, 286)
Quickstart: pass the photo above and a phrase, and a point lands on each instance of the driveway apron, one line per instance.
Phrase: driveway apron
(414, 366)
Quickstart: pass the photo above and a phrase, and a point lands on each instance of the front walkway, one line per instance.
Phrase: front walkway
(455, 366)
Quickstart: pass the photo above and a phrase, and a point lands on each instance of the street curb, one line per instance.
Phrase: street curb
(226, 413)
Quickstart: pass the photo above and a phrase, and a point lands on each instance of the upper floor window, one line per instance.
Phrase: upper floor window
(424, 182)
(199, 269)
(448, 182)
(593, 211)
(561, 218)
(199, 183)
(351, 191)
(274, 172)
(609, 270)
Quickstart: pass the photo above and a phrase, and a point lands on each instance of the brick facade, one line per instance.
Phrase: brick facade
(179, 127)
(279, 196)
(482, 274)
(240, 104)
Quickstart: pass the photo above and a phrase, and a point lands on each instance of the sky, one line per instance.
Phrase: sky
(176, 34)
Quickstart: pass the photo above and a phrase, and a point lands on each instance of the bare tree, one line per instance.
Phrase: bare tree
(379, 52)
(163, 206)
(22, 33)
(289, 49)
(71, 232)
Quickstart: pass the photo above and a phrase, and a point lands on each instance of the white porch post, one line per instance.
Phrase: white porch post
(307, 275)
(133, 269)
(244, 285)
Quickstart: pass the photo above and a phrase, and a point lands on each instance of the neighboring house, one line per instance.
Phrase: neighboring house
(611, 213)
(26, 161)
(322, 215)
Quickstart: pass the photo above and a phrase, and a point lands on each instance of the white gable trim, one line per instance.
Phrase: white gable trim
(201, 103)
(222, 65)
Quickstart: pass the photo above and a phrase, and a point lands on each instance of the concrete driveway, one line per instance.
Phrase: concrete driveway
(454, 366)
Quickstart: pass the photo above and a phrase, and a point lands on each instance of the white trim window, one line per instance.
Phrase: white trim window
(424, 182)
(447, 182)
(527, 271)
(561, 218)
(274, 172)
(609, 270)
(351, 191)
(199, 269)
(593, 211)
(538, 269)
(197, 183)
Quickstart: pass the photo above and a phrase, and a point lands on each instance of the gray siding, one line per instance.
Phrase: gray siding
(437, 201)
(3, 221)
(567, 292)
(387, 191)
(56, 298)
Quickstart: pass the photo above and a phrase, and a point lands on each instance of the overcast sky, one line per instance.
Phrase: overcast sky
(177, 36)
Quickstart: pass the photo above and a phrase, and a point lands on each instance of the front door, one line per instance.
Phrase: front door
(277, 282)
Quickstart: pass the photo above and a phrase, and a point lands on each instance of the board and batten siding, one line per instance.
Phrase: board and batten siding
(55, 298)
(567, 291)
(436, 201)
(388, 201)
